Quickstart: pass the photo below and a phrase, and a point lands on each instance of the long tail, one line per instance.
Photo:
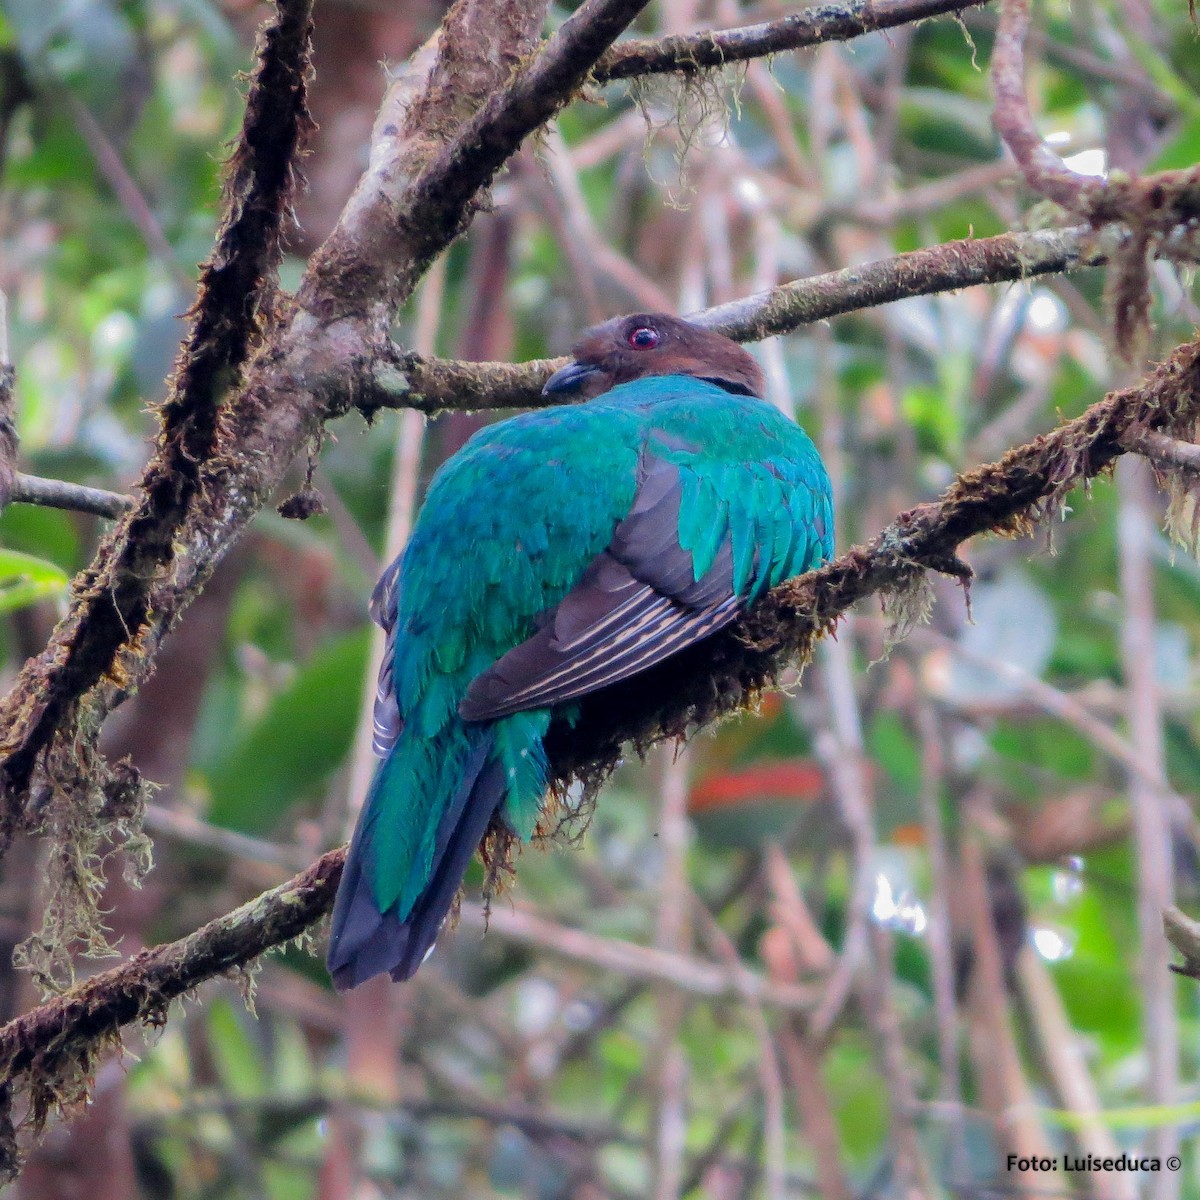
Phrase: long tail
(365, 941)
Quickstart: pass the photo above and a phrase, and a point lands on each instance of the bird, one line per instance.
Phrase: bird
(557, 553)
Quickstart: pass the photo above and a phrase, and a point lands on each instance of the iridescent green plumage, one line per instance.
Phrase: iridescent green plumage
(596, 539)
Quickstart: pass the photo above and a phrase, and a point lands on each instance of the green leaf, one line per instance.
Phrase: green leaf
(303, 736)
(24, 580)
(1183, 150)
(237, 1059)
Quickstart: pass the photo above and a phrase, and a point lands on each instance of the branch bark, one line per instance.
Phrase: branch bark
(830, 22)
(403, 380)
(60, 493)
(113, 600)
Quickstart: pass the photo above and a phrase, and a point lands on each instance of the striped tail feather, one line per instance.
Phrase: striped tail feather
(365, 942)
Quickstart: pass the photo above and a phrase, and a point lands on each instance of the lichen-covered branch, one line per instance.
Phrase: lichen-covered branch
(831, 22)
(430, 384)
(47, 1052)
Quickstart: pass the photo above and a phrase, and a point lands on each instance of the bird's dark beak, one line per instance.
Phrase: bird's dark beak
(569, 378)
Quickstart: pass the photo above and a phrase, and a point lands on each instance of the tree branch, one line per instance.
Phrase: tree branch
(392, 229)
(1184, 934)
(112, 600)
(62, 1037)
(59, 493)
(1164, 451)
(831, 22)
(209, 478)
(1150, 206)
(53, 1048)
(1044, 170)
(403, 380)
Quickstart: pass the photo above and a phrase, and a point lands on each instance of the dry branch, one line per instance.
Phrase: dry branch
(63, 1036)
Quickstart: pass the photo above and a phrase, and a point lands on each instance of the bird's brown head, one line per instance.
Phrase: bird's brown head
(628, 348)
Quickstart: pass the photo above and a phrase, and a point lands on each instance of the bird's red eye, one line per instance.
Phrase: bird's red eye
(644, 337)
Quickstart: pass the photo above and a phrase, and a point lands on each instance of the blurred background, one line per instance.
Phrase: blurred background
(867, 941)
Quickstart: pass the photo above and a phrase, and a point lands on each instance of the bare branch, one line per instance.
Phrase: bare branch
(8, 425)
(1044, 170)
(1184, 934)
(59, 493)
(689, 974)
(1164, 451)
(830, 22)
(1150, 206)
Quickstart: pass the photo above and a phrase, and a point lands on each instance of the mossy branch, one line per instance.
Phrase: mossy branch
(829, 22)
(52, 1050)
(234, 304)
(405, 380)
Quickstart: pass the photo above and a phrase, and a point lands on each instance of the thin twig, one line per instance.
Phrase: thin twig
(1152, 818)
(178, 823)
(59, 493)
(940, 933)
(126, 189)
(769, 1073)
(1066, 1064)
(1004, 1090)
(1044, 170)
(669, 1063)
(689, 974)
